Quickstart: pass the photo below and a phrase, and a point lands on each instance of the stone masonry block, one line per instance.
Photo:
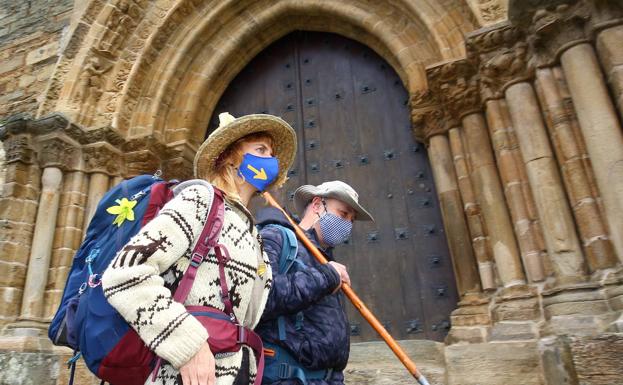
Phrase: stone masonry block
(20, 233)
(12, 63)
(18, 210)
(472, 335)
(598, 360)
(507, 331)
(16, 190)
(10, 301)
(517, 310)
(73, 198)
(493, 364)
(42, 53)
(57, 277)
(51, 300)
(62, 257)
(556, 361)
(12, 274)
(70, 216)
(14, 252)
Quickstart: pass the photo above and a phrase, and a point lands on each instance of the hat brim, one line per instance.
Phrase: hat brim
(304, 194)
(283, 135)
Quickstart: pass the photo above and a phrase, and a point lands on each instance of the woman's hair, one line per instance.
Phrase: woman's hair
(226, 169)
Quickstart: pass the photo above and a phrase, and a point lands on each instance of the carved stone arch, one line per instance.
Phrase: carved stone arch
(189, 49)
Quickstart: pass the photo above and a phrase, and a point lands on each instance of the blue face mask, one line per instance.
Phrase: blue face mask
(258, 171)
(335, 230)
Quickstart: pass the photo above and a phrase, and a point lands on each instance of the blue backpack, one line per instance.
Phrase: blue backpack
(287, 259)
(119, 215)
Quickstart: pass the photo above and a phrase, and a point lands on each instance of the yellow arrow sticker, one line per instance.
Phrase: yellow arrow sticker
(261, 174)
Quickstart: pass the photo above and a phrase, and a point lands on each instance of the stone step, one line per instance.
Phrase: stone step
(375, 363)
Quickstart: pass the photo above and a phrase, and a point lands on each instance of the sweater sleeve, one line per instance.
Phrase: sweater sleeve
(295, 290)
(133, 285)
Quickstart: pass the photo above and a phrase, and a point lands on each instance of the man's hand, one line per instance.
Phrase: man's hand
(200, 370)
(341, 270)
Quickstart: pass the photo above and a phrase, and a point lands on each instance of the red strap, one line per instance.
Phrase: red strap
(160, 194)
(207, 240)
(248, 337)
(222, 260)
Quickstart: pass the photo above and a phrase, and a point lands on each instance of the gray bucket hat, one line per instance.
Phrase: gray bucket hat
(334, 189)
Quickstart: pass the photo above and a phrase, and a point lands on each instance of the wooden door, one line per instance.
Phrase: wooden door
(350, 111)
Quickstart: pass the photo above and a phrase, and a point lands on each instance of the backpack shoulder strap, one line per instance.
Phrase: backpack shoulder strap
(207, 240)
(161, 193)
(289, 249)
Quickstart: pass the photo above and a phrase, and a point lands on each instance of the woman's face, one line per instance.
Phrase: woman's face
(259, 148)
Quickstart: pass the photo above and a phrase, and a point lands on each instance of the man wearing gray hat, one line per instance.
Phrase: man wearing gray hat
(304, 325)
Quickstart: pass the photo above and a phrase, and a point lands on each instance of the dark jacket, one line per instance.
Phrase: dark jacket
(323, 342)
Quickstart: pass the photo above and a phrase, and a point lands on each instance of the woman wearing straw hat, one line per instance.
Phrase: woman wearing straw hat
(241, 157)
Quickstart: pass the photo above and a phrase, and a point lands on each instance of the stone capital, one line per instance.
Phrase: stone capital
(503, 56)
(554, 29)
(18, 148)
(144, 155)
(103, 157)
(428, 116)
(58, 150)
(457, 85)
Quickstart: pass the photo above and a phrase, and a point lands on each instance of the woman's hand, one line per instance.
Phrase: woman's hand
(200, 370)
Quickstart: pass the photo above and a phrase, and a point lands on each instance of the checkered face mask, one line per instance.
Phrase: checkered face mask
(335, 230)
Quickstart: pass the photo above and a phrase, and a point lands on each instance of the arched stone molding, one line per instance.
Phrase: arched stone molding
(145, 66)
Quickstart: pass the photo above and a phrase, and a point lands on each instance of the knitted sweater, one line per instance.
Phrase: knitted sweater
(142, 277)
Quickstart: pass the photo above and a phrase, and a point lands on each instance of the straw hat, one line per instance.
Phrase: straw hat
(334, 189)
(231, 129)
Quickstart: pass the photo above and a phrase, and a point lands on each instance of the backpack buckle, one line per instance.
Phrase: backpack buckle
(196, 259)
(283, 371)
(242, 335)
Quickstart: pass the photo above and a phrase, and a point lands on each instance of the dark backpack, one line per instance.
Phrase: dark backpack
(88, 324)
(287, 259)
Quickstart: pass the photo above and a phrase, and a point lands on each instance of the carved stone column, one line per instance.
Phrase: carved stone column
(459, 91)
(561, 33)
(516, 188)
(562, 242)
(599, 251)
(101, 161)
(431, 126)
(607, 25)
(480, 242)
(505, 68)
(39, 262)
(18, 210)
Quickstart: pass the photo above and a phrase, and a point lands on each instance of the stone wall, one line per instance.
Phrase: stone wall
(30, 39)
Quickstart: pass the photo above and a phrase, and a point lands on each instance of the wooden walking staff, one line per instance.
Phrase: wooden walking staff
(367, 314)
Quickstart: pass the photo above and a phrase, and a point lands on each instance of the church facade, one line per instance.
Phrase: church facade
(485, 135)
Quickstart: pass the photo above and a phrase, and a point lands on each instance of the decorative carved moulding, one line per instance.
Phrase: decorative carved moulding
(58, 150)
(586, 17)
(557, 28)
(503, 57)
(428, 116)
(18, 148)
(104, 158)
(457, 85)
(145, 155)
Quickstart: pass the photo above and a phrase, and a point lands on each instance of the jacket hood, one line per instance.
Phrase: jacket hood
(271, 215)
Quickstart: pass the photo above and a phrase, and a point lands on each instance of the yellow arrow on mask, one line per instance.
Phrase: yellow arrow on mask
(261, 174)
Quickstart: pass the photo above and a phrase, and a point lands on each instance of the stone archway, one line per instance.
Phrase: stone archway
(138, 80)
(173, 62)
